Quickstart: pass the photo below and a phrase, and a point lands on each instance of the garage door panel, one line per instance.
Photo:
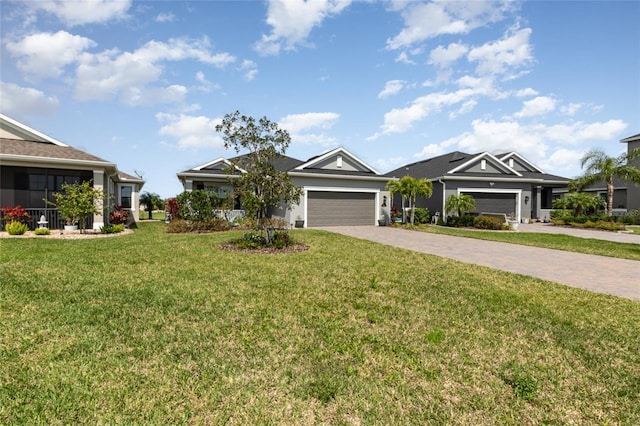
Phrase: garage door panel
(326, 208)
(494, 202)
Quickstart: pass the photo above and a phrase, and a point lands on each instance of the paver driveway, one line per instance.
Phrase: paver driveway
(619, 277)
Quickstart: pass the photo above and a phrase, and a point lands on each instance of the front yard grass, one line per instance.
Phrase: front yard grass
(348, 332)
(552, 241)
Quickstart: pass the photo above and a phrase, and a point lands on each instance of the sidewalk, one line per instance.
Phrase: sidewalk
(546, 228)
(618, 277)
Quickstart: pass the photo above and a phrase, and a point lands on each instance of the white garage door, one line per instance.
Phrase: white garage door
(326, 208)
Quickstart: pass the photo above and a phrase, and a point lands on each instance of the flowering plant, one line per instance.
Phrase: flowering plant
(119, 215)
(15, 214)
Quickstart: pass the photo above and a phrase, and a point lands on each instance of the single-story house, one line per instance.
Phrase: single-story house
(33, 166)
(338, 188)
(626, 195)
(505, 183)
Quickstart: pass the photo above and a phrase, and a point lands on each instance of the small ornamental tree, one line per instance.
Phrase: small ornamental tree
(254, 176)
(77, 201)
(460, 204)
(411, 188)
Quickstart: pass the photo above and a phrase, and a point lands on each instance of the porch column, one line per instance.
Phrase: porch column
(188, 185)
(538, 201)
(99, 184)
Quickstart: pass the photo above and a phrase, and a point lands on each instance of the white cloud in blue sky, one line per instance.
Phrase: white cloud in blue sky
(391, 81)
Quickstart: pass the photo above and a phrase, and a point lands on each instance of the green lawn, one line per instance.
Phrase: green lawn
(348, 332)
(553, 241)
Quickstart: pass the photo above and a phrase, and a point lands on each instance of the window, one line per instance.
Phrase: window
(125, 197)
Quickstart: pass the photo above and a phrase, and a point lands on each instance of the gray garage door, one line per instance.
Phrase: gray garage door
(494, 203)
(340, 208)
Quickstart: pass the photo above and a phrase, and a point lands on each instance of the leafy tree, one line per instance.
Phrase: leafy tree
(461, 203)
(77, 201)
(601, 167)
(259, 184)
(410, 188)
(151, 201)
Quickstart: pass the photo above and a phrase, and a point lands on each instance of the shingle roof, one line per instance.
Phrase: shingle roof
(436, 167)
(44, 149)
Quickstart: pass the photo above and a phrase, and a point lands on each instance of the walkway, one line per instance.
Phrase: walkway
(619, 277)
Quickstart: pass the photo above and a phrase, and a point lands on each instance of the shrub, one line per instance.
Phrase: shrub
(487, 222)
(282, 239)
(200, 204)
(632, 217)
(15, 214)
(422, 216)
(179, 226)
(42, 231)
(172, 207)
(16, 228)
(112, 229)
(460, 221)
(119, 215)
(251, 240)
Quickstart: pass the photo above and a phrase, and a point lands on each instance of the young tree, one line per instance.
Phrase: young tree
(581, 202)
(411, 188)
(77, 201)
(259, 184)
(601, 167)
(151, 201)
(462, 203)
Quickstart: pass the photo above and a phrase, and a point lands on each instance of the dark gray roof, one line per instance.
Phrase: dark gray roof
(631, 138)
(44, 149)
(432, 167)
(282, 164)
(436, 167)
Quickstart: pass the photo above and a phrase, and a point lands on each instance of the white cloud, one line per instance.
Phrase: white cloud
(46, 54)
(571, 109)
(308, 128)
(536, 106)
(192, 132)
(502, 56)
(431, 150)
(20, 101)
(134, 96)
(111, 73)
(165, 17)
(389, 163)
(296, 123)
(466, 107)
(83, 12)
(250, 69)
(563, 162)
(423, 21)
(404, 58)
(444, 56)
(391, 87)
(292, 21)
(526, 92)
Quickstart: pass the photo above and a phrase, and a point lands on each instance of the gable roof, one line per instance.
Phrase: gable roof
(24, 132)
(314, 164)
(514, 155)
(453, 164)
(23, 149)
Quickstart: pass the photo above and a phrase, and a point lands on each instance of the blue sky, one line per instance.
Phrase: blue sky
(143, 84)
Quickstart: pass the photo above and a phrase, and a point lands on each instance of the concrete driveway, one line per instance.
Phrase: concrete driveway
(618, 277)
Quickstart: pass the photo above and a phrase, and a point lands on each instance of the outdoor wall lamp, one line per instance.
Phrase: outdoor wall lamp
(526, 199)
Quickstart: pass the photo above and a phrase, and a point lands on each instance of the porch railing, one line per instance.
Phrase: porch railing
(52, 216)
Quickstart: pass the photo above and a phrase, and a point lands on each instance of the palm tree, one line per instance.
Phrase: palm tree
(601, 167)
(411, 188)
(462, 203)
(151, 201)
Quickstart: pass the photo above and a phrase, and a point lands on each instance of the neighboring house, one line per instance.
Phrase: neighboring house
(33, 166)
(505, 183)
(626, 195)
(338, 188)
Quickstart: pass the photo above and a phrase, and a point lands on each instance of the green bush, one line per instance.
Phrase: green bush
(631, 218)
(200, 204)
(112, 229)
(422, 216)
(178, 226)
(465, 220)
(16, 228)
(488, 222)
(42, 231)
